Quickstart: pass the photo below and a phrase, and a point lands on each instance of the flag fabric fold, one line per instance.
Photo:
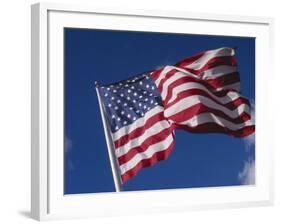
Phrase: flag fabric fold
(200, 94)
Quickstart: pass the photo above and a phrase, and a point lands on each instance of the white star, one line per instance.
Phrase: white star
(132, 87)
(134, 101)
(118, 101)
(129, 91)
(116, 128)
(144, 92)
(140, 104)
(128, 98)
(146, 99)
(152, 87)
(140, 82)
(140, 96)
(137, 111)
(144, 106)
(142, 114)
(134, 118)
(131, 108)
(106, 95)
(125, 104)
(108, 88)
(114, 90)
(116, 108)
(156, 103)
(126, 85)
(118, 119)
(125, 122)
(113, 116)
(112, 98)
(151, 101)
(122, 112)
(147, 86)
(109, 105)
(128, 115)
(135, 94)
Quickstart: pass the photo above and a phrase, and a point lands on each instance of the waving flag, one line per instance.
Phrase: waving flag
(198, 94)
(201, 94)
(140, 133)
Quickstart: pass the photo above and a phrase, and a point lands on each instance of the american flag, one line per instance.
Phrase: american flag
(199, 94)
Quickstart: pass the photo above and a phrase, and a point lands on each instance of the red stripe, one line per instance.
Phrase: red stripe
(155, 74)
(188, 79)
(158, 156)
(218, 82)
(215, 128)
(214, 62)
(191, 92)
(139, 131)
(201, 108)
(224, 80)
(144, 145)
(190, 60)
(167, 76)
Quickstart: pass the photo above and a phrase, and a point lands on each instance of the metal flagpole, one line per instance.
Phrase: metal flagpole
(110, 147)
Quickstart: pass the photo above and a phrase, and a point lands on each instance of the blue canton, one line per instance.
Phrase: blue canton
(129, 100)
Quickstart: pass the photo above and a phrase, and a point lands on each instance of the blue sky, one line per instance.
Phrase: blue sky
(198, 160)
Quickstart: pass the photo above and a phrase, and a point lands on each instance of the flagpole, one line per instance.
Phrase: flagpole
(110, 147)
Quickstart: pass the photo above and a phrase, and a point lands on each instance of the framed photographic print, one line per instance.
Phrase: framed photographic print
(148, 111)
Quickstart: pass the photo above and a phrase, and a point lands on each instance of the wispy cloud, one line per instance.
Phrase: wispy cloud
(68, 146)
(250, 142)
(248, 174)
(159, 67)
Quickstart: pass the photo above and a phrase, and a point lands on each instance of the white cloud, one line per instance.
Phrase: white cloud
(248, 174)
(250, 142)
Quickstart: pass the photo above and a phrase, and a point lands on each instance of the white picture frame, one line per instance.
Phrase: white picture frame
(48, 201)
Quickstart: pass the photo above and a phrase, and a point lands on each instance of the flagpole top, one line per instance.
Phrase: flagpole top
(96, 84)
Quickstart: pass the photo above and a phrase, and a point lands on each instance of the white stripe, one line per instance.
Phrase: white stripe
(168, 69)
(179, 75)
(211, 118)
(218, 71)
(169, 81)
(200, 62)
(163, 73)
(138, 123)
(190, 101)
(151, 150)
(231, 95)
(153, 130)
